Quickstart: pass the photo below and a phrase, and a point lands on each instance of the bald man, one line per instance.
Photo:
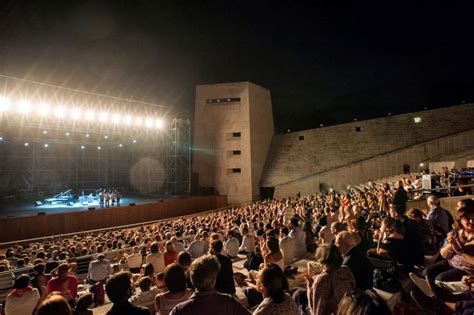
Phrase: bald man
(355, 259)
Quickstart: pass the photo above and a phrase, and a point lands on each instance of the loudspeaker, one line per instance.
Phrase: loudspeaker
(38, 203)
(131, 204)
(41, 213)
(91, 208)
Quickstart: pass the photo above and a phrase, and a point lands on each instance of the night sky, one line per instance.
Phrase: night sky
(325, 62)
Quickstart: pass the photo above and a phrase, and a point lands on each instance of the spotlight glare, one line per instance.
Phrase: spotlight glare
(26, 144)
(1, 138)
(116, 118)
(25, 107)
(4, 103)
(87, 135)
(67, 134)
(75, 113)
(103, 117)
(134, 141)
(159, 123)
(138, 121)
(90, 115)
(149, 122)
(82, 147)
(98, 148)
(45, 132)
(120, 145)
(127, 120)
(44, 109)
(106, 137)
(46, 145)
(60, 112)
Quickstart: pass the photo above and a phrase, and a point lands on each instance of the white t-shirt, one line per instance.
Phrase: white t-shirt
(24, 305)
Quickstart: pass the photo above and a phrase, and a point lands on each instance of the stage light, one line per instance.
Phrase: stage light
(120, 145)
(103, 117)
(60, 112)
(82, 147)
(159, 123)
(90, 115)
(45, 132)
(149, 122)
(98, 148)
(46, 145)
(76, 113)
(134, 141)
(127, 119)
(67, 134)
(138, 121)
(43, 109)
(106, 137)
(24, 107)
(87, 135)
(26, 144)
(1, 138)
(4, 103)
(116, 118)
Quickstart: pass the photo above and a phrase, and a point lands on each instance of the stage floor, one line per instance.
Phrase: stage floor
(21, 208)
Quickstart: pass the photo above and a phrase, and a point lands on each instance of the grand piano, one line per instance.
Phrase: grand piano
(60, 199)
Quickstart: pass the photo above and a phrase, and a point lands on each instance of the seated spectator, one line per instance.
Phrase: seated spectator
(170, 253)
(82, 305)
(23, 299)
(273, 285)
(426, 231)
(175, 280)
(274, 254)
(99, 269)
(310, 238)
(231, 245)
(389, 240)
(145, 296)
(206, 300)
(185, 260)
(179, 247)
(362, 303)
(63, 282)
(225, 276)
(6, 278)
(39, 280)
(156, 258)
(438, 216)
(196, 247)
(119, 290)
(54, 304)
(135, 260)
(356, 260)
(326, 289)
(248, 242)
(287, 246)
(299, 236)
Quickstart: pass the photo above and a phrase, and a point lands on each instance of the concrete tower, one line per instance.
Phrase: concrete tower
(233, 129)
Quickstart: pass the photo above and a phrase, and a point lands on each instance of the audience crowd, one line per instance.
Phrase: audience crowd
(354, 242)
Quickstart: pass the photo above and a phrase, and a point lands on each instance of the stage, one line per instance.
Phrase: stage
(20, 208)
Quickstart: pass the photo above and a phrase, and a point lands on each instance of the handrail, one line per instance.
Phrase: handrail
(51, 237)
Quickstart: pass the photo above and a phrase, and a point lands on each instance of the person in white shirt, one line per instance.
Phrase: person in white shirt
(156, 258)
(135, 260)
(196, 248)
(287, 246)
(23, 299)
(99, 269)
(300, 239)
(146, 295)
(231, 246)
(248, 242)
(178, 245)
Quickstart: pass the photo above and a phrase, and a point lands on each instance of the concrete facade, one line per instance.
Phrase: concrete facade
(325, 149)
(233, 128)
(378, 167)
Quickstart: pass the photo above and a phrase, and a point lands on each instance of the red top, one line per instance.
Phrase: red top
(64, 284)
(170, 258)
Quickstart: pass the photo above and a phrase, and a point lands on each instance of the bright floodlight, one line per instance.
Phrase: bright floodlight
(138, 121)
(134, 141)
(43, 109)
(159, 123)
(26, 144)
(120, 145)
(127, 120)
(116, 118)
(90, 115)
(87, 135)
(67, 134)
(46, 145)
(106, 137)
(82, 147)
(98, 148)
(60, 112)
(4, 103)
(76, 113)
(45, 132)
(149, 122)
(24, 107)
(103, 116)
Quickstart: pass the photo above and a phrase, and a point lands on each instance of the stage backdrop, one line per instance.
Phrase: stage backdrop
(63, 223)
